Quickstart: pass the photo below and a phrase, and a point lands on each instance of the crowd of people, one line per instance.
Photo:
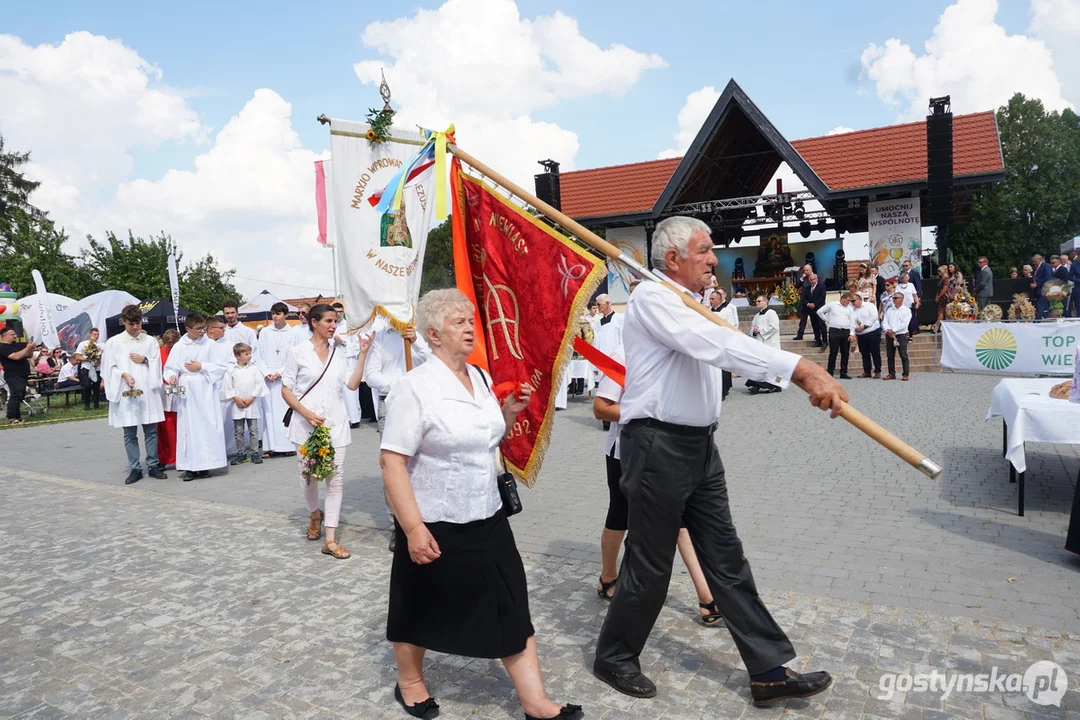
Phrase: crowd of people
(221, 394)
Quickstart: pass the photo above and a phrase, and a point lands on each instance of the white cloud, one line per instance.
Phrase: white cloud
(1057, 23)
(85, 105)
(479, 64)
(840, 130)
(969, 57)
(692, 116)
(80, 107)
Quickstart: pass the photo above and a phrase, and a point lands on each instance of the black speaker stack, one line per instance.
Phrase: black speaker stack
(939, 169)
(547, 184)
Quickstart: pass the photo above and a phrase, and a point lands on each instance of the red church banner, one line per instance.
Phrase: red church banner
(527, 282)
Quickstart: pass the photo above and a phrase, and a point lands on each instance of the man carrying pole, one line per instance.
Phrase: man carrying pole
(673, 470)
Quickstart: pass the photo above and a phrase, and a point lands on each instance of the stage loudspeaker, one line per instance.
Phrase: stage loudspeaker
(547, 189)
(939, 168)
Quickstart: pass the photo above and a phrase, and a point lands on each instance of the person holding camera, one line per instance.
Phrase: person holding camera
(14, 359)
(457, 584)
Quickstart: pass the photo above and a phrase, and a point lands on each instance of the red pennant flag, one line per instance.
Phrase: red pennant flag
(610, 367)
(527, 281)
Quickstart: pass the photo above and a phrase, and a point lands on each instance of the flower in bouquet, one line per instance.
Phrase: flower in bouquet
(789, 295)
(317, 455)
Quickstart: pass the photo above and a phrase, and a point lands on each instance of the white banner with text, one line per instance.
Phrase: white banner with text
(1046, 348)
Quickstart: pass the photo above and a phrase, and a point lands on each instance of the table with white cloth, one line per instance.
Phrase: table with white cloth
(1029, 414)
(578, 370)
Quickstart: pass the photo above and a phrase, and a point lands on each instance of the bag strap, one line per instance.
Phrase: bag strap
(502, 460)
(333, 349)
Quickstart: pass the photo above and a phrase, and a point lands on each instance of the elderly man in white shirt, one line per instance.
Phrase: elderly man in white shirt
(868, 335)
(895, 324)
(841, 318)
(131, 369)
(672, 469)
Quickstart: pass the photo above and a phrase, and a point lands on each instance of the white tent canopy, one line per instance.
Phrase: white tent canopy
(28, 312)
(74, 322)
(258, 307)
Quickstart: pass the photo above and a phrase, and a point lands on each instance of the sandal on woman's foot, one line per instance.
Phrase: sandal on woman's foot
(565, 712)
(426, 709)
(714, 618)
(314, 530)
(335, 550)
(603, 588)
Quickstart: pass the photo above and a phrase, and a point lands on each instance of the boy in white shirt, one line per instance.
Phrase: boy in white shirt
(244, 385)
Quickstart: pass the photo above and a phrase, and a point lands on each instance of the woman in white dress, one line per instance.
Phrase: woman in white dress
(458, 584)
(311, 385)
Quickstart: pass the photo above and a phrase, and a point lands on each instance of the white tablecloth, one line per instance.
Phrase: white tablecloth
(1033, 416)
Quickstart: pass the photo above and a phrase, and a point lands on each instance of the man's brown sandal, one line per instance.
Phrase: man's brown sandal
(314, 530)
(336, 550)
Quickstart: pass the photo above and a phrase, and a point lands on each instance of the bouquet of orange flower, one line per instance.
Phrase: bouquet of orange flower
(317, 455)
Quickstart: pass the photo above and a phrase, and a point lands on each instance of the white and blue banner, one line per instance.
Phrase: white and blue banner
(1046, 348)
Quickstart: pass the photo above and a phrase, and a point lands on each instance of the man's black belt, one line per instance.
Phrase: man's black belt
(674, 428)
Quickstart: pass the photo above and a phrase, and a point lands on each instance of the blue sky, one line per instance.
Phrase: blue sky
(117, 147)
(802, 68)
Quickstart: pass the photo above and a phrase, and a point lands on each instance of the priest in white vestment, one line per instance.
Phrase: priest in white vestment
(608, 331)
(131, 371)
(274, 343)
(352, 354)
(193, 366)
(766, 328)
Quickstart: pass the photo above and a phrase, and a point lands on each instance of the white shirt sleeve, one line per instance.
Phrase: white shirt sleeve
(373, 370)
(292, 370)
(678, 327)
(823, 312)
(404, 420)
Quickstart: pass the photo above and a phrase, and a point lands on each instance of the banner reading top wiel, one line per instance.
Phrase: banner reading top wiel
(381, 248)
(530, 284)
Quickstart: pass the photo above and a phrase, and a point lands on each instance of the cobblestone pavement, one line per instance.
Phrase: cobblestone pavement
(117, 604)
(821, 509)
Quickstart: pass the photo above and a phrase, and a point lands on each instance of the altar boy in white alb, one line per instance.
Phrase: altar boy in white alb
(192, 366)
(131, 370)
(273, 348)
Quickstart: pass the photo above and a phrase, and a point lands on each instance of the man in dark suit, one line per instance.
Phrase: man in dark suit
(813, 299)
(984, 283)
(803, 283)
(1040, 274)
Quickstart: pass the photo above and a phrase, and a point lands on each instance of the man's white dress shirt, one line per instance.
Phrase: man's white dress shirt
(866, 316)
(70, 371)
(611, 390)
(838, 315)
(385, 363)
(896, 319)
(450, 439)
(674, 358)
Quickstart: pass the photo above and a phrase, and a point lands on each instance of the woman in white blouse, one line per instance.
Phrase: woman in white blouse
(457, 585)
(317, 401)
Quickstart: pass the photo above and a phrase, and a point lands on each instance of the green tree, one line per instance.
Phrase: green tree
(203, 286)
(15, 189)
(140, 267)
(34, 242)
(1036, 207)
(438, 259)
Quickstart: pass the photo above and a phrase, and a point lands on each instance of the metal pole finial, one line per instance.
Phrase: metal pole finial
(384, 92)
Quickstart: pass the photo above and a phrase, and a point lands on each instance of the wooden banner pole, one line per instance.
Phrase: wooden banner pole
(892, 443)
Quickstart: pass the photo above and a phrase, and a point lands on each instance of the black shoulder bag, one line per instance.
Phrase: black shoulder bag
(506, 483)
(288, 413)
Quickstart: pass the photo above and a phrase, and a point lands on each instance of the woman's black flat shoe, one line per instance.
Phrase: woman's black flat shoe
(567, 711)
(714, 618)
(427, 709)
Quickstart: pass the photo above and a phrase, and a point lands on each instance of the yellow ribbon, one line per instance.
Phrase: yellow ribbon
(439, 139)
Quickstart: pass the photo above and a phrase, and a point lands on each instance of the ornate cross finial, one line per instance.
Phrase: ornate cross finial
(384, 92)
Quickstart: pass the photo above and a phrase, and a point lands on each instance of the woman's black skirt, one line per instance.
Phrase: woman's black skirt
(472, 601)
